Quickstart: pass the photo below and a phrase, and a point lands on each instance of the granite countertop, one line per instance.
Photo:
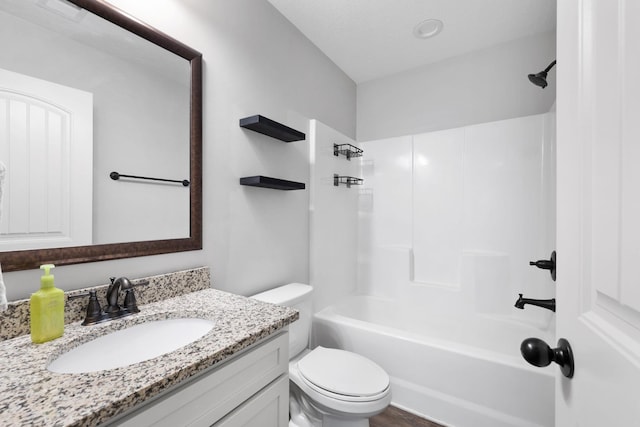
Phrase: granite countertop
(31, 395)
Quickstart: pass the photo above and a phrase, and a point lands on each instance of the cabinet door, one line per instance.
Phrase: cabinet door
(202, 401)
(268, 408)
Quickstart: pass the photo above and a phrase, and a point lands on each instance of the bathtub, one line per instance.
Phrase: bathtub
(462, 372)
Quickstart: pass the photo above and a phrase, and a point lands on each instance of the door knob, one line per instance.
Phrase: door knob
(538, 353)
(547, 264)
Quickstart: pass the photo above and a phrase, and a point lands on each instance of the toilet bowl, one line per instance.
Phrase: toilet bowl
(328, 387)
(342, 388)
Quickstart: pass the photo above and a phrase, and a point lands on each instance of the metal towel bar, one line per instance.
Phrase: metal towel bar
(116, 176)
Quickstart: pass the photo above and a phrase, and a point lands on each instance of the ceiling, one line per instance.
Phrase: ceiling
(369, 39)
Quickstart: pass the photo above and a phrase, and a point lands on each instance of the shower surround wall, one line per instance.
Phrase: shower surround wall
(449, 220)
(333, 217)
(447, 223)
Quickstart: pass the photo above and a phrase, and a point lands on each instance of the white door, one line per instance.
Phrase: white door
(46, 144)
(598, 277)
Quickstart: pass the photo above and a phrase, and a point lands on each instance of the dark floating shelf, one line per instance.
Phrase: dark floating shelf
(274, 183)
(271, 128)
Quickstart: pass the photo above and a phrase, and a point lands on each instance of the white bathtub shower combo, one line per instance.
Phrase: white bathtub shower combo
(444, 226)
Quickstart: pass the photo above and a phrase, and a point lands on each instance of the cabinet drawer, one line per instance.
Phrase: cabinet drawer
(268, 408)
(217, 391)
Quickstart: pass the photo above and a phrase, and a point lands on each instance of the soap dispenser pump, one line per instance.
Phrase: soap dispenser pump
(47, 309)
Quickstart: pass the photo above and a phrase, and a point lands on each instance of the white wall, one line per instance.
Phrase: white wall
(479, 87)
(454, 216)
(255, 62)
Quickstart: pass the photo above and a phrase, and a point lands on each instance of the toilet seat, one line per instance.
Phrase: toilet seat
(343, 375)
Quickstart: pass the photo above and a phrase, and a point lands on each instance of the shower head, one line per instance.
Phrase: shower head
(540, 79)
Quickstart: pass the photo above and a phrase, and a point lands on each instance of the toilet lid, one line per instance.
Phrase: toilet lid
(343, 372)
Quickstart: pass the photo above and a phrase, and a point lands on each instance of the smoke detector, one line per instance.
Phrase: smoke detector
(428, 28)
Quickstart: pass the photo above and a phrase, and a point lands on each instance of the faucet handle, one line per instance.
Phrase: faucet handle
(94, 311)
(130, 303)
(549, 264)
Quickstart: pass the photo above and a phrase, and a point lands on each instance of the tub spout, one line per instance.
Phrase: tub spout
(549, 304)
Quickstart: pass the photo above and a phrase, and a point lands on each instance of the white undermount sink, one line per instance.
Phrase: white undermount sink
(131, 345)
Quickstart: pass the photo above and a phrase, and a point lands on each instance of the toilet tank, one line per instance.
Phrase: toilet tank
(298, 296)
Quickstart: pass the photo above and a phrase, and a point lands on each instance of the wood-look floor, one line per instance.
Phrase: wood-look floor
(394, 417)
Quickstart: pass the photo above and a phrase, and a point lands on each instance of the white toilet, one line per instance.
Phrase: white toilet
(329, 387)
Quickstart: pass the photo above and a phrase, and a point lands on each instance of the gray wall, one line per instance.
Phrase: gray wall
(255, 62)
(479, 87)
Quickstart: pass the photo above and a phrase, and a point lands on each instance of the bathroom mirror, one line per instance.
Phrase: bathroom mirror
(144, 95)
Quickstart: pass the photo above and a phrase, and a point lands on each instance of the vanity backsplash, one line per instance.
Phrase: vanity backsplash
(15, 320)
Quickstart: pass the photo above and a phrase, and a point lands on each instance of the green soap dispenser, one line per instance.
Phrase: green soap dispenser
(47, 309)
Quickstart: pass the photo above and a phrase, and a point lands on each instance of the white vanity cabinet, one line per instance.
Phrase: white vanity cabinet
(251, 389)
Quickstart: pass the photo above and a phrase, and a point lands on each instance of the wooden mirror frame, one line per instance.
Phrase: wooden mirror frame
(29, 259)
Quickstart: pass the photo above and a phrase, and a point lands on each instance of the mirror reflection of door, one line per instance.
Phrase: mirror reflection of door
(46, 145)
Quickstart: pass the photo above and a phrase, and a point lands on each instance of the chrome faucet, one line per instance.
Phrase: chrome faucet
(549, 304)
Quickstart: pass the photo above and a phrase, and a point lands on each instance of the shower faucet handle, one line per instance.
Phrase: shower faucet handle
(547, 264)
